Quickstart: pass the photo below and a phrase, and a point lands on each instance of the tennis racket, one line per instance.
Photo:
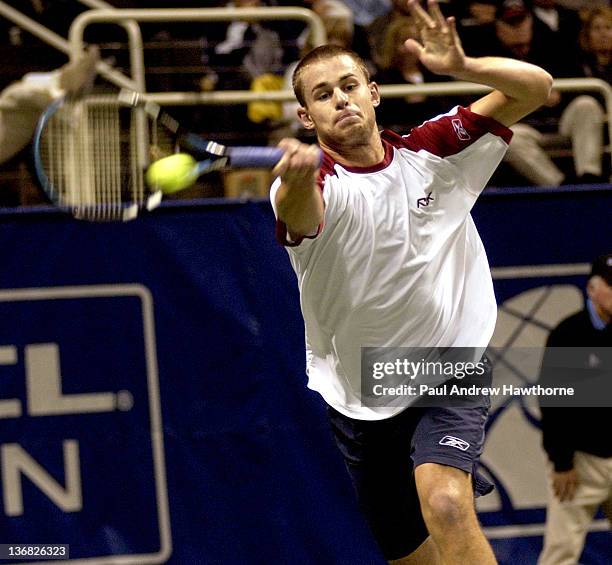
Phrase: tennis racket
(91, 154)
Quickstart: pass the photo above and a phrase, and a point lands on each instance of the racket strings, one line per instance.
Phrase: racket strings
(94, 153)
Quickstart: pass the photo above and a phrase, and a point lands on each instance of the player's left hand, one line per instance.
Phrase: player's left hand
(440, 49)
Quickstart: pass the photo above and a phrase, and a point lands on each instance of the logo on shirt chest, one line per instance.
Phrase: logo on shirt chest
(461, 132)
(425, 201)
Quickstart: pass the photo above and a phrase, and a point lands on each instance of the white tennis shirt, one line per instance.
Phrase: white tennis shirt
(398, 260)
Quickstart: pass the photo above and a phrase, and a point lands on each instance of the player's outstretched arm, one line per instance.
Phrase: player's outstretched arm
(520, 88)
(299, 202)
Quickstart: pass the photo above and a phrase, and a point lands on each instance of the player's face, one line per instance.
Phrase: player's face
(339, 102)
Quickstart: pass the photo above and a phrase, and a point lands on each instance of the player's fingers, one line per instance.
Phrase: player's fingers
(421, 17)
(281, 167)
(452, 28)
(290, 146)
(436, 13)
(414, 47)
(313, 156)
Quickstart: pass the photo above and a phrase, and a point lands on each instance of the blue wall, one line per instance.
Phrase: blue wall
(234, 446)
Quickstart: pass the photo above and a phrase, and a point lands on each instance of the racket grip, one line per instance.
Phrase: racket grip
(264, 157)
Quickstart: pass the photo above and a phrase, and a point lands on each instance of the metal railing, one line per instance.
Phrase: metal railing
(243, 96)
(81, 22)
(129, 18)
(61, 44)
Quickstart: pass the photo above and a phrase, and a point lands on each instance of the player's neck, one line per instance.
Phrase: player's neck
(367, 154)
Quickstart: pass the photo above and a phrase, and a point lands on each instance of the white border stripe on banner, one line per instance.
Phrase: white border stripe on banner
(531, 271)
(532, 530)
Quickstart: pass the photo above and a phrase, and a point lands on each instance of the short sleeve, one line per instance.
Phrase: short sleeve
(473, 143)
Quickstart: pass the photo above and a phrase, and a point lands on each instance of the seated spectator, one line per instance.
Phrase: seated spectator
(340, 26)
(366, 11)
(563, 22)
(596, 44)
(398, 65)
(475, 12)
(248, 49)
(377, 29)
(520, 35)
(473, 19)
(235, 56)
(22, 103)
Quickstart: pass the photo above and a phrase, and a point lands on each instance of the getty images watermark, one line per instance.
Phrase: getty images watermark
(464, 376)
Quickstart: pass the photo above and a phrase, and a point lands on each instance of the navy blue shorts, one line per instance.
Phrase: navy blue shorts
(381, 456)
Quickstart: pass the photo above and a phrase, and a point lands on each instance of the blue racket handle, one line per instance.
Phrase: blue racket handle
(265, 157)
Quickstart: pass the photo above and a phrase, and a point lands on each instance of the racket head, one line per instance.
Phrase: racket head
(90, 154)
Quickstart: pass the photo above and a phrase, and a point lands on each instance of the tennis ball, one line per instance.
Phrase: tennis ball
(172, 173)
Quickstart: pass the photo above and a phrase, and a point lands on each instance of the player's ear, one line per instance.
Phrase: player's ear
(305, 118)
(374, 94)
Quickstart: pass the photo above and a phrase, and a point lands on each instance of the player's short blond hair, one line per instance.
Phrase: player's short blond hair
(322, 53)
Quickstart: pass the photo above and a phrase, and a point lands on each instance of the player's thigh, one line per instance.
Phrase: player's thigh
(377, 458)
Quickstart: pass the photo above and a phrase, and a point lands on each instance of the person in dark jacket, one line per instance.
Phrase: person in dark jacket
(577, 440)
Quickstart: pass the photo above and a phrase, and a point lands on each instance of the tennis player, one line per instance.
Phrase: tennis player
(386, 254)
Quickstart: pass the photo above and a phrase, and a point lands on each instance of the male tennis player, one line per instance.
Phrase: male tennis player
(386, 254)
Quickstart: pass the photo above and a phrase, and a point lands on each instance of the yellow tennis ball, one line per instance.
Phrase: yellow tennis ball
(172, 173)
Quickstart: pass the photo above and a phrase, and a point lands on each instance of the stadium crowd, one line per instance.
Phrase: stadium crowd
(563, 142)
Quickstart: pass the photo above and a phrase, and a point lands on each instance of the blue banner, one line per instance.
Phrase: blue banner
(152, 386)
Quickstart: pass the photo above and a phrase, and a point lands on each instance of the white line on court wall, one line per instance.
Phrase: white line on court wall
(529, 530)
(530, 271)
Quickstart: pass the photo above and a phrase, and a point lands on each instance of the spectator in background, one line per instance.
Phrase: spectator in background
(377, 29)
(562, 21)
(244, 54)
(398, 65)
(519, 34)
(475, 18)
(476, 12)
(247, 50)
(341, 26)
(366, 11)
(22, 103)
(577, 440)
(596, 44)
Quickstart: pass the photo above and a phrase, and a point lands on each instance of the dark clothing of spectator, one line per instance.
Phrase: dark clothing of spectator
(591, 68)
(567, 430)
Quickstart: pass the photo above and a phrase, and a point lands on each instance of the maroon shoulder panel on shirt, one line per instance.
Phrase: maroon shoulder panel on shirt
(449, 134)
(327, 168)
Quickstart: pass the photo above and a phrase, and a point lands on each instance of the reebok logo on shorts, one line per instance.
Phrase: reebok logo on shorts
(453, 441)
(461, 132)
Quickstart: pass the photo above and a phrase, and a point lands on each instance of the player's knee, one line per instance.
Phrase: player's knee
(446, 508)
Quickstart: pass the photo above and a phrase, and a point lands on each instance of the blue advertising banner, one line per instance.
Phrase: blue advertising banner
(153, 406)
(81, 417)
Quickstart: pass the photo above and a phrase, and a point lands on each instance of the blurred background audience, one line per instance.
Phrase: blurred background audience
(562, 142)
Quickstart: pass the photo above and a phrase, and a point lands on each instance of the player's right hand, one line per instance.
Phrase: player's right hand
(300, 163)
